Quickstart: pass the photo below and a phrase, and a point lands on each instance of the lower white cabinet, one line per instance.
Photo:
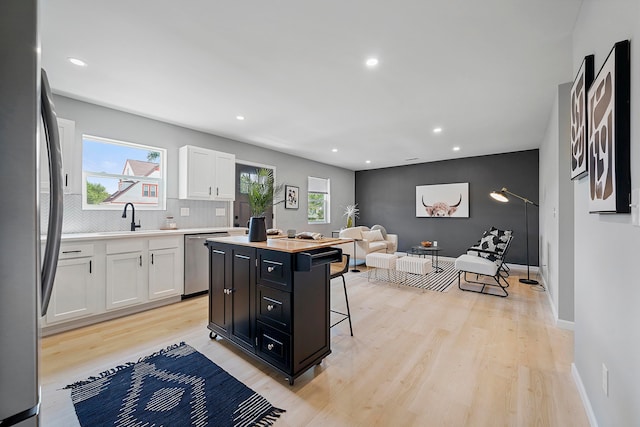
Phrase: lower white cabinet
(75, 291)
(165, 268)
(125, 283)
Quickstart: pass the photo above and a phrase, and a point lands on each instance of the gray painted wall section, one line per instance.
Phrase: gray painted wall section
(607, 295)
(388, 196)
(565, 208)
(109, 123)
(556, 209)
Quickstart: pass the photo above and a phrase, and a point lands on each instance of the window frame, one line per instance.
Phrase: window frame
(160, 183)
(326, 200)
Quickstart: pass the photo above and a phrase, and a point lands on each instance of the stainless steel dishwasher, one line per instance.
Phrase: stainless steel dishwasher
(196, 263)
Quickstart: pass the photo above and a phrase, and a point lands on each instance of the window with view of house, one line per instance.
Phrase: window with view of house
(115, 173)
(318, 200)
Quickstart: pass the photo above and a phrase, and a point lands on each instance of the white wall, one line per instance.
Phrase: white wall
(109, 123)
(607, 247)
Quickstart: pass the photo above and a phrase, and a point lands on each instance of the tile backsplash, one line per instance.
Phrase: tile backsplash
(76, 220)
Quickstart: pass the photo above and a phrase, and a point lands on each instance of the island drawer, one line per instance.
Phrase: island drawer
(305, 261)
(274, 269)
(274, 307)
(274, 346)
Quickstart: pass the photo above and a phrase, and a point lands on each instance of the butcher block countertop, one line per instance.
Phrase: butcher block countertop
(282, 244)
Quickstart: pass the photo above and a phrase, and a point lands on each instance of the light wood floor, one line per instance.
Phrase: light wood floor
(417, 359)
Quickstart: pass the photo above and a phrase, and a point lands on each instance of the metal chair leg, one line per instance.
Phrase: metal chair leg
(346, 298)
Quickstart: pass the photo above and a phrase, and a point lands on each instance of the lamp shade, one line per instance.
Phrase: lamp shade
(499, 196)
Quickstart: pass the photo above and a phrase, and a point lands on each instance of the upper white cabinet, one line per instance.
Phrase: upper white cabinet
(206, 174)
(67, 131)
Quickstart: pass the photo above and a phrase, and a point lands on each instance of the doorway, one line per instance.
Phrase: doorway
(241, 210)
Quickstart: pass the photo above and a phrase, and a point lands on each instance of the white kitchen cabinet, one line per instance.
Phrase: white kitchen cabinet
(67, 131)
(225, 176)
(205, 174)
(126, 276)
(165, 268)
(75, 290)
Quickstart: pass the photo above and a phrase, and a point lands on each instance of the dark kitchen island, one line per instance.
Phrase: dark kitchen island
(271, 299)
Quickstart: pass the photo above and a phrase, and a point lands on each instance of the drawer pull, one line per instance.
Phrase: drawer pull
(71, 252)
(270, 307)
(270, 346)
(270, 268)
(242, 256)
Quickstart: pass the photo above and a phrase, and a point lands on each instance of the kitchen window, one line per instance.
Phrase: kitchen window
(318, 200)
(117, 172)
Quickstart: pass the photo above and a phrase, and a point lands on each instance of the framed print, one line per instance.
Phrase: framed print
(291, 197)
(579, 127)
(608, 107)
(443, 200)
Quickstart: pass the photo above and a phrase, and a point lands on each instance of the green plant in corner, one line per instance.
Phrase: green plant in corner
(262, 191)
(351, 212)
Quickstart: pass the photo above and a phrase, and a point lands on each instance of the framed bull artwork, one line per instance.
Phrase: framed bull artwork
(609, 134)
(443, 200)
(579, 128)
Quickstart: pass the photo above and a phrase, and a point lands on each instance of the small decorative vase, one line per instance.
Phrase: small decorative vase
(349, 222)
(257, 229)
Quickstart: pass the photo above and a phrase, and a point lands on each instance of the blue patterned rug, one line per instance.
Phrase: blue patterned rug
(174, 387)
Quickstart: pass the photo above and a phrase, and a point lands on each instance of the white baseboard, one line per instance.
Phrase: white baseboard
(583, 395)
(560, 323)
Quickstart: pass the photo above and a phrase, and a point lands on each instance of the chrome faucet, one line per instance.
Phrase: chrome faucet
(133, 216)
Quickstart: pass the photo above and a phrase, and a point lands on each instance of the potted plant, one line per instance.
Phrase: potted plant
(261, 192)
(351, 212)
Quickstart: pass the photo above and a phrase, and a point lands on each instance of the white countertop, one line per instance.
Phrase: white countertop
(72, 237)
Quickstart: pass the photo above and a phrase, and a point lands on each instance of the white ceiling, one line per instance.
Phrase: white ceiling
(485, 71)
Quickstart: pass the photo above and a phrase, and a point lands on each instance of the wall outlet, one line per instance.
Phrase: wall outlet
(184, 211)
(605, 380)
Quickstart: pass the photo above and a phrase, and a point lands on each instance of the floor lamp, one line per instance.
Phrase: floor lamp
(501, 196)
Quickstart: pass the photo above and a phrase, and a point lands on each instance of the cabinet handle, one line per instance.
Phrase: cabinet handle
(270, 268)
(151, 258)
(242, 256)
(270, 346)
(209, 190)
(66, 179)
(71, 252)
(90, 266)
(217, 191)
(140, 260)
(270, 307)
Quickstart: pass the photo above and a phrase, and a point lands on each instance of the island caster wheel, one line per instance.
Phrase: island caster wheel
(213, 335)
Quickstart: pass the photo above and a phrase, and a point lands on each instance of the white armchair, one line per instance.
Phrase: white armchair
(369, 240)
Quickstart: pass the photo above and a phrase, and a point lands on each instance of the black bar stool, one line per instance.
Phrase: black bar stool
(337, 270)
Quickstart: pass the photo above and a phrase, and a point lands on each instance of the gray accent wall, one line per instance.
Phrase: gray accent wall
(607, 295)
(388, 197)
(109, 123)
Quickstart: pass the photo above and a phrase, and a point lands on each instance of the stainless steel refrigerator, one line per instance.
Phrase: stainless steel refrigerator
(26, 275)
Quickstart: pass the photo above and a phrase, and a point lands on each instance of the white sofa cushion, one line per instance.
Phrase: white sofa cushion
(476, 264)
(372, 236)
(378, 246)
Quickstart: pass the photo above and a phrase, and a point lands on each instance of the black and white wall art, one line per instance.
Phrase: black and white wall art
(609, 134)
(443, 200)
(579, 136)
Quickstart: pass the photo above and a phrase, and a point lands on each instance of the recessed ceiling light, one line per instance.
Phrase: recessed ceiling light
(372, 62)
(368, 161)
(456, 148)
(335, 150)
(437, 130)
(240, 117)
(78, 62)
